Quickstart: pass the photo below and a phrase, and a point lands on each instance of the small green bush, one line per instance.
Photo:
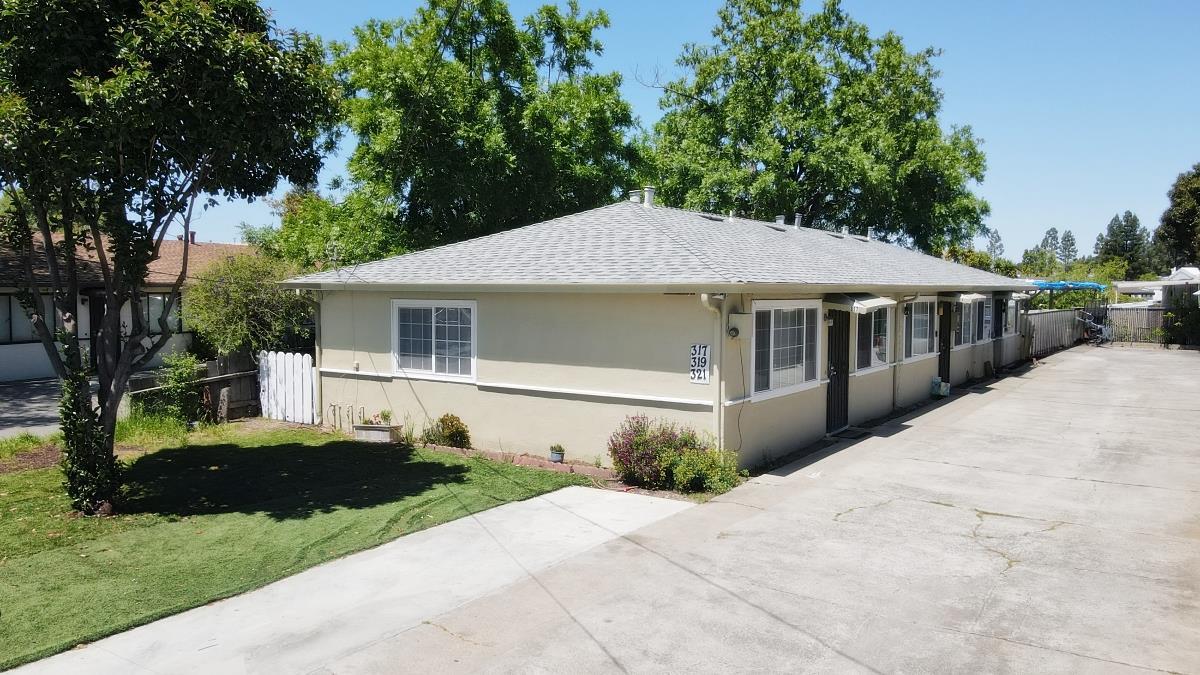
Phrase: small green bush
(656, 454)
(181, 397)
(706, 470)
(448, 430)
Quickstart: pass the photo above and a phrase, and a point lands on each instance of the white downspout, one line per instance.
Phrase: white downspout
(715, 303)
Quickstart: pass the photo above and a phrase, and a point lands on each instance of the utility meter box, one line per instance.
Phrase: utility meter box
(739, 325)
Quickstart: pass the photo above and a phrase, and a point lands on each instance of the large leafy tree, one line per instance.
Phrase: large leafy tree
(995, 245)
(117, 121)
(1068, 248)
(1126, 239)
(1039, 262)
(1178, 233)
(238, 306)
(1050, 240)
(469, 122)
(788, 112)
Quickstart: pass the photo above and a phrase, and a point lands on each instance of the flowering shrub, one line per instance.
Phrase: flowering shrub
(657, 454)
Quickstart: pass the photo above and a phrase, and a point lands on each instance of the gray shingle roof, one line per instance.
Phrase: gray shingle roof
(628, 244)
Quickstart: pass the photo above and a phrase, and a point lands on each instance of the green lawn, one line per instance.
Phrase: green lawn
(225, 511)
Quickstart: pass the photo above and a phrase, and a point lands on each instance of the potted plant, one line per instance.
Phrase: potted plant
(557, 453)
(378, 429)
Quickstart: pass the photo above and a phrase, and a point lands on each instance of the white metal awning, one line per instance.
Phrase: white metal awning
(966, 298)
(858, 303)
(1020, 296)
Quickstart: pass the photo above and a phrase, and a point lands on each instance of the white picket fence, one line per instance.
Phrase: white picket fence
(286, 384)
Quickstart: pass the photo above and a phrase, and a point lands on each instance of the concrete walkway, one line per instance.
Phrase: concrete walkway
(1049, 522)
(331, 612)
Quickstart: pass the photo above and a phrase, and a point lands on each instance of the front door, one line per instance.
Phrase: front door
(838, 394)
(945, 337)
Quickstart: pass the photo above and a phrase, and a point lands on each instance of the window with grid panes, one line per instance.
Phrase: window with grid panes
(434, 338)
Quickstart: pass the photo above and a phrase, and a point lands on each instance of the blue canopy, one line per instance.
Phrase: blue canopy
(1069, 285)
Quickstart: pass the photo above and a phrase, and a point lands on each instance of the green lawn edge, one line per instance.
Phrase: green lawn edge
(482, 472)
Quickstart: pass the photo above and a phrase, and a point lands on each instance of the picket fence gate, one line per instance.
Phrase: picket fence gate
(286, 387)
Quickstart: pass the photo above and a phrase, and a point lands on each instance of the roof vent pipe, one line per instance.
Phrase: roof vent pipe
(845, 229)
(779, 220)
(870, 233)
(635, 196)
(798, 221)
(648, 196)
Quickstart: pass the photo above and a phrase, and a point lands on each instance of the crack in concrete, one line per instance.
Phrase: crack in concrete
(457, 636)
(1010, 561)
(1068, 652)
(1042, 475)
(837, 517)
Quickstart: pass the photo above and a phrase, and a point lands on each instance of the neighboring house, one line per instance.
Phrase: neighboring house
(22, 356)
(764, 335)
(1164, 291)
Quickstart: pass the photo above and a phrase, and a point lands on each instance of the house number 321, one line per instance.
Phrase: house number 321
(699, 367)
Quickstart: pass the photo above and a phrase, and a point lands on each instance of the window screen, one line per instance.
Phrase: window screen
(919, 329)
(872, 339)
(414, 338)
(785, 347)
(435, 339)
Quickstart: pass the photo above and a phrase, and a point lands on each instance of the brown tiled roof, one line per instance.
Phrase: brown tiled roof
(163, 271)
(201, 256)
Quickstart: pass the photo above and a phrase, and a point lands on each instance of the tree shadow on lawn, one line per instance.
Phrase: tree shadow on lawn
(285, 481)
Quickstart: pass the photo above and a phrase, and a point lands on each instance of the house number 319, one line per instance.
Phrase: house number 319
(699, 364)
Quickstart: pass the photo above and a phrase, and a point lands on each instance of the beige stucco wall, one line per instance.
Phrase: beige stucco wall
(1010, 349)
(581, 346)
(870, 395)
(590, 344)
(914, 377)
(763, 431)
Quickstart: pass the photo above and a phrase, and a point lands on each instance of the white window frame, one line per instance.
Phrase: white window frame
(770, 305)
(985, 308)
(889, 357)
(966, 319)
(432, 374)
(933, 329)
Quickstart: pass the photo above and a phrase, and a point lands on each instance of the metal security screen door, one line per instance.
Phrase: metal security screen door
(945, 334)
(838, 394)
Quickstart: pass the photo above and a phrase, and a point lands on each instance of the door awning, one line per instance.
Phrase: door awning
(963, 297)
(858, 303)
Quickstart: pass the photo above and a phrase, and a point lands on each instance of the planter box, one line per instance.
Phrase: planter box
(376, 433)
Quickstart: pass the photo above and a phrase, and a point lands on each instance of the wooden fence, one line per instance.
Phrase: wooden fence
(287, 387)
(1054, 329)
(1136, 324)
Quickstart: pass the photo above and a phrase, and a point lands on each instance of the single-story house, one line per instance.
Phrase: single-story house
(22, 356)
(764, 335)
(1168, 291)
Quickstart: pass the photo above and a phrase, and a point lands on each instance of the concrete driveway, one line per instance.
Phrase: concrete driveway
(1047, 523)
(30, 406)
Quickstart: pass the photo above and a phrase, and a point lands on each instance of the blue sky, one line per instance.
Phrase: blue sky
(1085, 108)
